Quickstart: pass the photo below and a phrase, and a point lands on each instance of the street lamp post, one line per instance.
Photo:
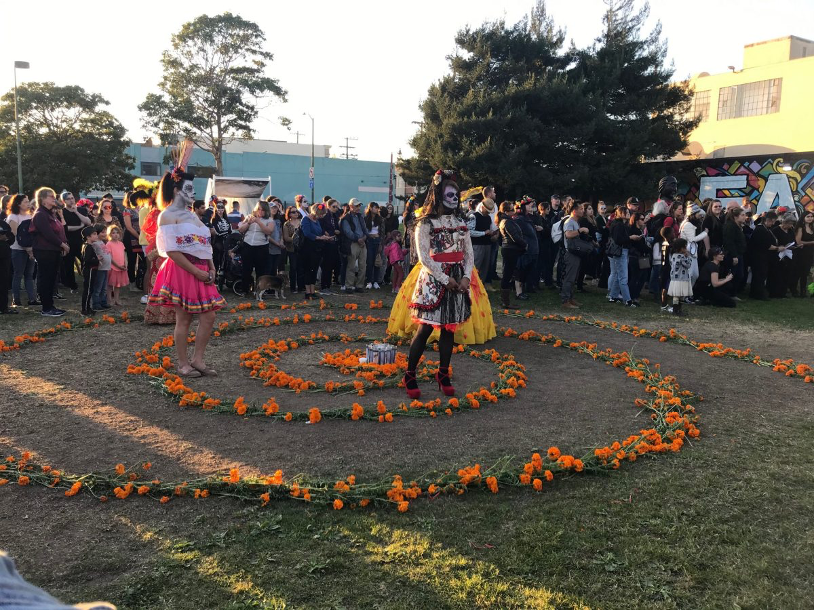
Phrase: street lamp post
(311, 172)
(22, 65)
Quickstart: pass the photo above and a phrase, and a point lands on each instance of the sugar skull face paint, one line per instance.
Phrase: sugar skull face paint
(450, 197)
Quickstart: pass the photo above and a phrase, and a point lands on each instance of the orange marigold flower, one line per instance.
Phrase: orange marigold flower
(364, 502)
(147, 465)
(403, 506)
(338, 504)
(491, 483)
(266, 497)
(165, 499)
(538, 484)
(3, 482)
(288, 416)
(144, 489)
(525, 479)
(549, 476)
(553, 453)
(23, 480)
(314, 416)
(388, 417)
(119, 469)
(74, 489)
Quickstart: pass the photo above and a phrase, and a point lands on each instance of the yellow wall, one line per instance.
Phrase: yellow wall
(789, 130)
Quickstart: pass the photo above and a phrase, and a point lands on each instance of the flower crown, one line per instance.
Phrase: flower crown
(444, 174)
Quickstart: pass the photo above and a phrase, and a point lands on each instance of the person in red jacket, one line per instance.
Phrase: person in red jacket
(50, 245)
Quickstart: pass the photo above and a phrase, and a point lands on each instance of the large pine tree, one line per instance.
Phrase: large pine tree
(521, 111)
(507, 113)
(638, 113)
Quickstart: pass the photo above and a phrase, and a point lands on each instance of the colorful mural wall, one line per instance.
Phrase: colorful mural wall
(769, 182)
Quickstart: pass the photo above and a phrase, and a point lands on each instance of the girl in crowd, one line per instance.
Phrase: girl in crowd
(512, 247)
(711, 287)
(680, 265)
(781, 270)
(296, 277)
(311, 246)
(255, 250)
(735, 247)
(375, 232)
(804, 256)
(441, 298)
(186, 280)
(618, 253)
(222, 229)
(22, 258)
(713, 222)
(638, 257)
(117, 277)
(276, 244)
(690, 231)
(395, 258)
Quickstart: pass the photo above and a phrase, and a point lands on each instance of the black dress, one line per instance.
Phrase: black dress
(781, 270)
(760, 257)
(803, 260)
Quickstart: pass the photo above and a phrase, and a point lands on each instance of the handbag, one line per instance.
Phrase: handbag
(578, 246)
(377, 262)
(644, 262)
(613, 249)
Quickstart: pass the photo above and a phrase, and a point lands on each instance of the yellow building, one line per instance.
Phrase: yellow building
(762, 109)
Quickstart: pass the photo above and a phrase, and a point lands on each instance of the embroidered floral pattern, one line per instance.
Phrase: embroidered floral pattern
(192, 239)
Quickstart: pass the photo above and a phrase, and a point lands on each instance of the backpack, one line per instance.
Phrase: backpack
(25, 231)
(556, 231)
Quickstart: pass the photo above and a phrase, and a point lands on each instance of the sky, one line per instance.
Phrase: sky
(360, 68)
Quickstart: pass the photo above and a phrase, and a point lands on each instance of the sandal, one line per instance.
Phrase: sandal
(206, 372)
(192, 373)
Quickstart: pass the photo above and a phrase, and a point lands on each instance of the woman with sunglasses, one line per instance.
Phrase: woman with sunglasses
(107, 217)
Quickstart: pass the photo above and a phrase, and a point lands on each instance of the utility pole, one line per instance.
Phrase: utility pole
(348, 147)
(311, 170)
(298, 136)
(22, 65)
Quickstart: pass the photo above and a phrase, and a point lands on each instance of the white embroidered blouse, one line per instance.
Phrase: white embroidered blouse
(446, 234)
(185, 237)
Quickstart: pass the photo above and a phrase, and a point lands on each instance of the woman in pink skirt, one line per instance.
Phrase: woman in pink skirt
(186, 280)
(117, 276)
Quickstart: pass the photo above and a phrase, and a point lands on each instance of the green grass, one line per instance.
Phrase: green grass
(724, 524)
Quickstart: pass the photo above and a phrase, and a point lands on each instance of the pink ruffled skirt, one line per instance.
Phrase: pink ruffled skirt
(175, 287)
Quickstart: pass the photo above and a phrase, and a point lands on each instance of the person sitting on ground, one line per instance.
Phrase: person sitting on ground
(710, 286)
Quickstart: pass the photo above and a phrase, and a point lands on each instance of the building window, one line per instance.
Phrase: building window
(750, 99)
(150, 169)
(201, 171)
(699, 108)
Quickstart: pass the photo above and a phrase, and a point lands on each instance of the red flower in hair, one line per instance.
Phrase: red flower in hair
(176, 174)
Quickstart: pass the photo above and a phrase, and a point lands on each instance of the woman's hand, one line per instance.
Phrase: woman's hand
(203, 276)
(463, 285)
(452, 284)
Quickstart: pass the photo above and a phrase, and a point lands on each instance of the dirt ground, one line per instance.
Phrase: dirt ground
(70, 403)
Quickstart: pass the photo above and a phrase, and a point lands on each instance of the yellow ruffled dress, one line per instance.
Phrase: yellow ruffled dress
(478, 329)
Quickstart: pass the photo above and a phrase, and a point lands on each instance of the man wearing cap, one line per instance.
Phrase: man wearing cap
(633, 205)
(481, 229)
(354, 233)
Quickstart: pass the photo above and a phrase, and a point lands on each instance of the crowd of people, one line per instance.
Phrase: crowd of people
(679, 252)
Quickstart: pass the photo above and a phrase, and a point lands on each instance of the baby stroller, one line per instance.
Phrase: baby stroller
(230, 273)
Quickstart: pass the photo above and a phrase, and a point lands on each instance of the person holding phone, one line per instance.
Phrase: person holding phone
(710, 285)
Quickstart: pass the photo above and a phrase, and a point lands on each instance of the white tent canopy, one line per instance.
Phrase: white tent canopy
(246, 191)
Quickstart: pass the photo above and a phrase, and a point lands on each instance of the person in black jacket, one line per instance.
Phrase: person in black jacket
(527, 263)
(619, 247)
(542, 222)
(763, 248)
(638, 257)
(6, 240)
(90, 265)
(511, 248)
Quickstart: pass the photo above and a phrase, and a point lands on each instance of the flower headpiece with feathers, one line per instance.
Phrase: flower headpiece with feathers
(180, 156)
(471, 193)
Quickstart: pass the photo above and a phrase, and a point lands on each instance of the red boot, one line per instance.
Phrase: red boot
(411, 385)
(442, 377)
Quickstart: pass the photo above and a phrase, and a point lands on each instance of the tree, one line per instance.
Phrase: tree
(639, 113)
(507, 114)
(521, 111)
(213, 77)
(68, 140)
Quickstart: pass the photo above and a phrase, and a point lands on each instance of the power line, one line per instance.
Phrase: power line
(348, 147)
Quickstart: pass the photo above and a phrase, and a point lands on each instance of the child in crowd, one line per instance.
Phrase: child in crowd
(680, 265)
(395, 256)
(99, 289)
(117, 276)
(90, 268)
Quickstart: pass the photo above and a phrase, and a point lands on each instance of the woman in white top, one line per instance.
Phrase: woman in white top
(186, 280)
(22, 259)
(255, 250)
(689, 231)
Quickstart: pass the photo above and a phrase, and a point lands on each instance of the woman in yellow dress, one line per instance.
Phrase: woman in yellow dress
(477, 329)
